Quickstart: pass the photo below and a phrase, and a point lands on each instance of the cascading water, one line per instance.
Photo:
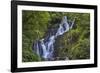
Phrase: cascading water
(45, 47)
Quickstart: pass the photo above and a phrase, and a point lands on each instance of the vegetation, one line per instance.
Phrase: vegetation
(74, 44)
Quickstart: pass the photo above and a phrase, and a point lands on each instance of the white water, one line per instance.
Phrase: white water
(46, 49)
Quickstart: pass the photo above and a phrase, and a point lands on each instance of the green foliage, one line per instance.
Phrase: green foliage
(74, 44)
(34, 27)
(81, 50)
(29, 56)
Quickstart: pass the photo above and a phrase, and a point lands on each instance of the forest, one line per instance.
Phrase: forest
(74, 44)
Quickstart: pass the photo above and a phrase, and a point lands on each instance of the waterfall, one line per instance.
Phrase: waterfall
(45, 47)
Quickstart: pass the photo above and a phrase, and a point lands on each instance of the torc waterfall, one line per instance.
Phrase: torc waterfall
(45, 46)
